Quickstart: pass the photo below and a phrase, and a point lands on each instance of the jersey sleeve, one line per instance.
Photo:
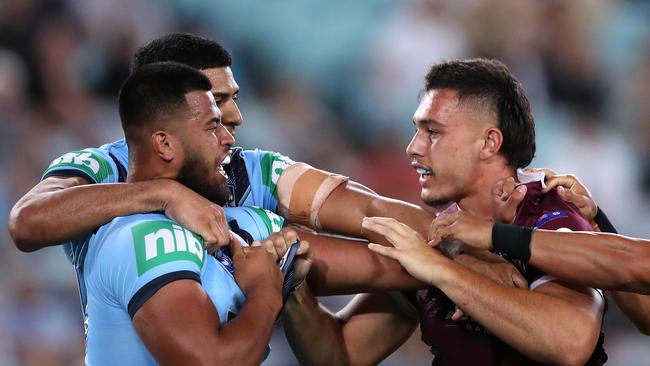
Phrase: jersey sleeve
(138, 259)
(93, 164)
(264, 169)
(253, 223)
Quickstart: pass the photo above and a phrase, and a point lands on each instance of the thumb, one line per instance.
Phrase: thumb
(235, 247)
(509, 209)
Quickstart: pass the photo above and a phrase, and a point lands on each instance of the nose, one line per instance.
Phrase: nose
(225, 137)
(231, 116)
(416, 146)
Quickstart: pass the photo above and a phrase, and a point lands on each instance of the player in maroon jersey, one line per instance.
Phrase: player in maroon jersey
(473, 128)
(604, 260)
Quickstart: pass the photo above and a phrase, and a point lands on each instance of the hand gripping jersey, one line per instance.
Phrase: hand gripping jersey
(132, 257)
(466, 342)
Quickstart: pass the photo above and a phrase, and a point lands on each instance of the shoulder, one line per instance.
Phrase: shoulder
(151, 240)
(258, 223)
(549, 211)
(94, 164)
(266, 157)
(134, 256)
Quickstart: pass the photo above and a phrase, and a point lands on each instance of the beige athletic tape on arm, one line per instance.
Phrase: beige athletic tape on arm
(302, 191)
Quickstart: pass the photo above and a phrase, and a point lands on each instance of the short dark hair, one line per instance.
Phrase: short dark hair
(188, 49)
(155, 94)
(490, 81)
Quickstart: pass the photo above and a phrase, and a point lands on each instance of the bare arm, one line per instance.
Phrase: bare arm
(553, 324)
(194, 336)
(61, 208)
(345, 208)
(343, 266)
(636, 307)
(327, 201)
(599, 260)
(366, 331)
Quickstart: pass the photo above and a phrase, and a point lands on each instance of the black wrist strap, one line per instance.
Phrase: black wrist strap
(603, 222)
(514, 241)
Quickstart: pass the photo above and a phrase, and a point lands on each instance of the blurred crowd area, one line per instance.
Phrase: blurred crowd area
(333, 84)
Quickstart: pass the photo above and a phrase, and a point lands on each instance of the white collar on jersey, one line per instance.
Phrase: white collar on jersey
(529, 177)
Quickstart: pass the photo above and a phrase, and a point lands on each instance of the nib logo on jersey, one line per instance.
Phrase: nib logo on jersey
(159, 242)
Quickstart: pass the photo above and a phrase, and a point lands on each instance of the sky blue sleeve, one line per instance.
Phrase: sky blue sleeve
(139, 258)
(93, 164)
(264, 169)
(257, 222)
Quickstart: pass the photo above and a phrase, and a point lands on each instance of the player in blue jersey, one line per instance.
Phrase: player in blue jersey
(66, 205)
(57, 209)
(154, 295)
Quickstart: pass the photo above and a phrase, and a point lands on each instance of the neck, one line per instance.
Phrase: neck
(478, 200)
(144, 167)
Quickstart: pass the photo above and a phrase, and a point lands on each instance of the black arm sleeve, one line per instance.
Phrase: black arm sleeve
(603, 222)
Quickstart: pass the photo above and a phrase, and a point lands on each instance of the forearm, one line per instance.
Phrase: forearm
(53, 216)
(636, 307)
(598, 260)
(347, 205)
(246, 337)
(314, 334)
(344, 267)
(545, 328)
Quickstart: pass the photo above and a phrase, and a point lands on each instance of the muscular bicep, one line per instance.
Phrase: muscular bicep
(344, 266)
(178, 324)
(375, 325)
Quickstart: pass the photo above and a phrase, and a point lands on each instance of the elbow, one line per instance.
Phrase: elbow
(21, 228)
(577, 351)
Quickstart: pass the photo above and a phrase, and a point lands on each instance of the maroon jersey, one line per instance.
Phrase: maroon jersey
(466, 342)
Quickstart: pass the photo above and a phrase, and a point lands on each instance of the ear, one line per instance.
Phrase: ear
(164, 145)
(492, 143)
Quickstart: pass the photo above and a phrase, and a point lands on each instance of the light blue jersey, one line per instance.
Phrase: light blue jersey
(132, 257)
(252, 179)
(252, 174)
(106, 296)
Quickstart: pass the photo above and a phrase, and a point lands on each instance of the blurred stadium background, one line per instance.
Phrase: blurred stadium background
(330, 83)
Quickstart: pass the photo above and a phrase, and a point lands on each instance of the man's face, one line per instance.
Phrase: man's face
(206, 145)
(225, 90)
(445, 147)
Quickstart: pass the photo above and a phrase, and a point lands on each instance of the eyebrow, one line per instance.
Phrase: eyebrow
(224, 94)
(213, 120)
(428, 122)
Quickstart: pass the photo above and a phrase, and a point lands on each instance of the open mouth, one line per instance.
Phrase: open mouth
(423, 171)
(224, 162)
